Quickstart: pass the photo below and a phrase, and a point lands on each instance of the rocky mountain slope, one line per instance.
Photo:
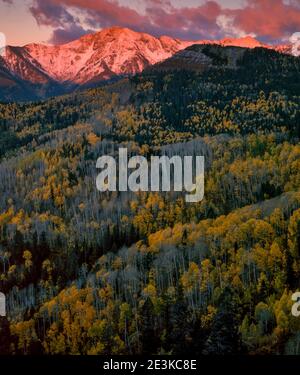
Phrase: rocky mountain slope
(37, 71)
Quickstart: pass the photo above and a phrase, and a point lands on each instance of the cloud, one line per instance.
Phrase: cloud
(51, 14)
(269, 20)
(187, 22)
(94, 15)
(72, 32)
(226, 24)
(160, 17)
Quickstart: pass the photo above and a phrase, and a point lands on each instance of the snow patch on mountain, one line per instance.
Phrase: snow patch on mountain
(100, 56)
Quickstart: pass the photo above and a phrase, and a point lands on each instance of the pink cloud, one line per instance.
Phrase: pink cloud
(269, 20)
(160, 16)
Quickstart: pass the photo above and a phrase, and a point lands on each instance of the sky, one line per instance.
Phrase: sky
(60, 21)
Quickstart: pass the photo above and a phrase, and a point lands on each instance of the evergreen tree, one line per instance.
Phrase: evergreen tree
(148, 337)
(5, 336)
(224, 337)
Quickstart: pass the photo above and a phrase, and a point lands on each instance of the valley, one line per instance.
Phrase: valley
(89, 272)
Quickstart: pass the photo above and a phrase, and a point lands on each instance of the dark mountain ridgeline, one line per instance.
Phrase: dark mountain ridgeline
(38, 71)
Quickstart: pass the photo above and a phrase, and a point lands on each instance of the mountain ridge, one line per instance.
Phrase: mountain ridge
(93, 58)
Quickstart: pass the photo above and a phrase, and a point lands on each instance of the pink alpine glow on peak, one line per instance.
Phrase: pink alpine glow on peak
(107, 53)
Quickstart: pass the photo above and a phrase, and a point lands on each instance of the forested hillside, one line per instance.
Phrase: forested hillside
(123, 273)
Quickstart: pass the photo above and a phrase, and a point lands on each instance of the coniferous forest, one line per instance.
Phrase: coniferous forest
(86, 272)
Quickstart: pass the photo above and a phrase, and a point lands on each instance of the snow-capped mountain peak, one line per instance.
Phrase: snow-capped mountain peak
(100, 56)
